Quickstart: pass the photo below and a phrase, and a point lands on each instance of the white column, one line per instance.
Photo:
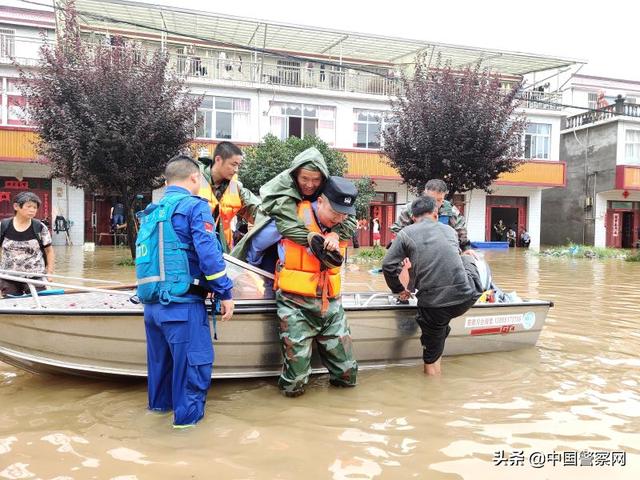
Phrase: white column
(475, 213)
(600, 212)
(533, 218)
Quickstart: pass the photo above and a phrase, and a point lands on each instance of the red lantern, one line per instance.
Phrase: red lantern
(625, 194)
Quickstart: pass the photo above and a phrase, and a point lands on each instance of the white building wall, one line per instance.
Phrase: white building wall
(69, 202)
(476, 211)
(475, 214)
(600, 213)
(534, 209)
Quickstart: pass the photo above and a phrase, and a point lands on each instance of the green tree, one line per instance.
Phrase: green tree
(460, 126)
(109, 117)
(366, 192)
(266, 160)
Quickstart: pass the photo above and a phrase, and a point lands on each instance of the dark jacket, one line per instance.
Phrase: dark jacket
(442, 277)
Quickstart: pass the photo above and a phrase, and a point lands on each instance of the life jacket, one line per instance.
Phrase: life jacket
(227, 208)
(301, 272)
(162, 264)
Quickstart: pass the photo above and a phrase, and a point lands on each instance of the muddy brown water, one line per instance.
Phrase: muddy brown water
(574, 397)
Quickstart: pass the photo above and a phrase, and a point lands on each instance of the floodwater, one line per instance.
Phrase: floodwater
(574, 398)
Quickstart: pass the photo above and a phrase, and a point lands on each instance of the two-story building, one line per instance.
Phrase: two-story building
(260, 77)
(601, 146)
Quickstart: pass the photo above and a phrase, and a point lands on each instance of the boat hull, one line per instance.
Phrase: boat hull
(111, 342)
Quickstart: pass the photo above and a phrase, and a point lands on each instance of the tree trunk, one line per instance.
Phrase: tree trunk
(132, 225)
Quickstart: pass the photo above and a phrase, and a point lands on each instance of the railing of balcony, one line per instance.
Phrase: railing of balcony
(619, 108)
(317, 76)
(540, 100)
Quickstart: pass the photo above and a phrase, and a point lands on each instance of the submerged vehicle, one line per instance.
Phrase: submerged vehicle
(100, 332)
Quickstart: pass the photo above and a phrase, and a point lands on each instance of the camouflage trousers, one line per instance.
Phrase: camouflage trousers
(301, 321)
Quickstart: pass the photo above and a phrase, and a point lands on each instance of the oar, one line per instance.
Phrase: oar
(130, 286)
(63, 285)
(37, 275)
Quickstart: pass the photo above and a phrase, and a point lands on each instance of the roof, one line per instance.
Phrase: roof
(317, 42)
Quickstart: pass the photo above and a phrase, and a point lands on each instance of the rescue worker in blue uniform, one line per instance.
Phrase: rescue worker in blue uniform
(178, 262)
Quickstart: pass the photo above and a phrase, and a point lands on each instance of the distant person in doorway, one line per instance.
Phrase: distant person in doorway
(511, 237)
(117, 215)
(375, 228)
(525, 239)
(501, 230)
(25, 243)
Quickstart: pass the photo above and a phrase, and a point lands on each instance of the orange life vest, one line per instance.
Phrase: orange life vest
(230, 204)
(301, 271)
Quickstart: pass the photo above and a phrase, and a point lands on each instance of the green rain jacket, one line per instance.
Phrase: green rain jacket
(280, 197)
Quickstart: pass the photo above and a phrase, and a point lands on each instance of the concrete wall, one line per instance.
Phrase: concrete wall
(590, 154)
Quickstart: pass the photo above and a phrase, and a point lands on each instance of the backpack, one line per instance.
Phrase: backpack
(37, 229)
(162, 265)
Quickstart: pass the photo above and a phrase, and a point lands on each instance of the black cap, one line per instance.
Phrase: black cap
(341, 194)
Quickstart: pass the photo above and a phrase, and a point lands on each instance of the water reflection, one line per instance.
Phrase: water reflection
(578, 390)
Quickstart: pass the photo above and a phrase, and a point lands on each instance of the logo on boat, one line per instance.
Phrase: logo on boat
(499, 324)
(528, 320)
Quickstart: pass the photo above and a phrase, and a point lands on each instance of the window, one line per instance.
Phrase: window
(367, 128)
(537, 141)
(223, 118)
(593, 100)
(16, 104)
(7, 43)
(632, 147)
(298, 120)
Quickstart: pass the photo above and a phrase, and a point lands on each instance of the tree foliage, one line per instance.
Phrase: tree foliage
(366, 192)
(460, 126)
(109, 117)
(266, 160)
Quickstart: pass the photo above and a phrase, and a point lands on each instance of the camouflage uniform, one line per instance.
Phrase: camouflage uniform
(301, 321)
(456, 219)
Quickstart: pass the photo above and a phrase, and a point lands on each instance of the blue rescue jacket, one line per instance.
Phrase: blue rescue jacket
(177, 248)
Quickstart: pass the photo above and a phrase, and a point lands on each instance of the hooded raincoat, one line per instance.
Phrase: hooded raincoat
(280, 197)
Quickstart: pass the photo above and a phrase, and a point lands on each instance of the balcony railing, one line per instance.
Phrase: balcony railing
(540, 100)
(619, 108)
(316, 76)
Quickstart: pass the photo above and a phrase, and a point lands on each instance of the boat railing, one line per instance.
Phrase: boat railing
(32, 284)
(54, 275)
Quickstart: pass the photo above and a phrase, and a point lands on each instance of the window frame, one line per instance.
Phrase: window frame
(213, 111)
(631, 159)
(530, 155)
(280, 112)
(382, 124)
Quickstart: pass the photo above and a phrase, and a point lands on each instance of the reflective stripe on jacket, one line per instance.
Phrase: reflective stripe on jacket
(301, 272)
(229, 205)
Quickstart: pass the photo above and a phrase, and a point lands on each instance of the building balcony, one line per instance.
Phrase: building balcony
(313, 75)
(619, 108)
(533, 173)
(17, 144)
(540, 100)
(536, 173)
(628, 177)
